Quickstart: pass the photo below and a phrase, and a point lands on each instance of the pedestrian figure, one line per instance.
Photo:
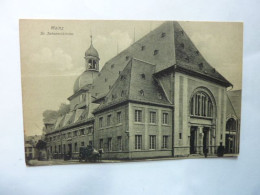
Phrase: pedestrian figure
(220, 151)
(205, 151)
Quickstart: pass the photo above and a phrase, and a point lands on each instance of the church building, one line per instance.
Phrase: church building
(157, 98)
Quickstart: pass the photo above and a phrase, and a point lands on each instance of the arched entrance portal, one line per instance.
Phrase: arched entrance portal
(231, 130)
(202, 122)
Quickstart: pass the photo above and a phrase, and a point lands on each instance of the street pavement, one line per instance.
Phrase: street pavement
(62, 162)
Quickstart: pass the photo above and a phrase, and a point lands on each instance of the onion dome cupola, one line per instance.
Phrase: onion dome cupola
(92, 58)
(91, 71)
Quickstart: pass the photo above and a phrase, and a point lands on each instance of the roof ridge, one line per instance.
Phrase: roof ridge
(137, 59)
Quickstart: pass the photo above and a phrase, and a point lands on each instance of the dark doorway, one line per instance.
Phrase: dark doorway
(230, 140)
(193, 140)
(70, 150)
(205, 138)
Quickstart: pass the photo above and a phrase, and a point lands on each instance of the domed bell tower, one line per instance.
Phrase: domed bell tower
(91, 58)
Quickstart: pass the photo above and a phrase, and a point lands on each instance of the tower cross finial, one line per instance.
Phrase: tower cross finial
(91, 39)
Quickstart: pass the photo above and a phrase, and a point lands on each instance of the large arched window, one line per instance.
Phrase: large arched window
(231, 125)
(201, 105)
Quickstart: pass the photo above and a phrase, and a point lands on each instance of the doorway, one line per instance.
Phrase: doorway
(205, 138)
(193, 132)
(70, 150)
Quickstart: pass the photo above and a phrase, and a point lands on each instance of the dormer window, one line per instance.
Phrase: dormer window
(182, 45)
(143, 76)
(112, 66)
(143, 47)
(200, 65)
(187, 58)
(122, 93)
(127, 58)
(109, 87)
(141, 92)
(155, 52)
(105, 79)
(159, 96)
(114, 96)
(122, 77)
(163, 34)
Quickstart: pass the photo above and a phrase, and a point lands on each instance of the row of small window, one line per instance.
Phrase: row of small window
(152, 142)
(69, 134)
(109, 144)
(138, 142)
(75, 147)
(109, 119)
(153, 117)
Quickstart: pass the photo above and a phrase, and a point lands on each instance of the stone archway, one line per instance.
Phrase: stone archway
(231, 136)
(202, 121)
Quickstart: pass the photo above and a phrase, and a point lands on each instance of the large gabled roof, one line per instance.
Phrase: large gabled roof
(166, 46)
(135, 83)
(189, 57)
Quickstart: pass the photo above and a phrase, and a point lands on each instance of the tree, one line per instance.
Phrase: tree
(52, 115)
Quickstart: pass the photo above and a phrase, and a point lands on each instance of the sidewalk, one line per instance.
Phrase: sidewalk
(75, 161)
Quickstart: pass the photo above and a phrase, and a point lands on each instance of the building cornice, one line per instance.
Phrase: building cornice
(178, 68)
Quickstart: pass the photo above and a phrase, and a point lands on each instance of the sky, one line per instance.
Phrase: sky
(51, 63)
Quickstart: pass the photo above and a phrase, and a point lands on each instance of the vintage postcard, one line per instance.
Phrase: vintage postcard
(116, 91)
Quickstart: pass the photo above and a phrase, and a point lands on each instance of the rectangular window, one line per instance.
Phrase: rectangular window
(90, 130)
(59, 148)
(100, 122)
(82, 144)
(165, 141)
(82, 131)
(119, 142)
(75, 133)
(108, 120)
(180, 135)
(153, 117)
(118, 117)
(101, 143)
(55, 149)
(69, 134)
(51, 149)
(75, 147)
(64, 148)
(109, 144)
(165, 118)
(152, 142)
(138, 115)
(90, 143)
(138, 142)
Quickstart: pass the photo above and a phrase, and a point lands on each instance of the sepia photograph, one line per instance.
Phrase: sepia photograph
(103, 91)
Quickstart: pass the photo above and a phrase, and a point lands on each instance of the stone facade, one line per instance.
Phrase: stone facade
(157, 98)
